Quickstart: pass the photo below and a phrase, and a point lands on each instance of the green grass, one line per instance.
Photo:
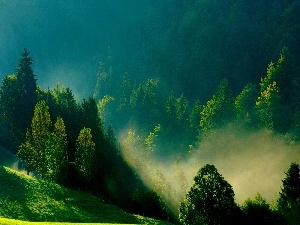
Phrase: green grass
(4, 221)
(23, 198)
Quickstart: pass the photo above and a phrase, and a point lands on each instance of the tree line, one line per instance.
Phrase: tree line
(211, 201)
(63, 141)
(272, 103)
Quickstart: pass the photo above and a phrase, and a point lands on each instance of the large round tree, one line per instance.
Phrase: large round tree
(209, 201)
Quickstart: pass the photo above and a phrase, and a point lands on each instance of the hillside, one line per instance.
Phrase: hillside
(28, 199)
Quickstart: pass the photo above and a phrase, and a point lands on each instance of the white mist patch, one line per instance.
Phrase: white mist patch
(250, 161)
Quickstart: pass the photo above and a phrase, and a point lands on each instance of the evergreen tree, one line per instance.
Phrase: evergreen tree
(90, 118)
(10, 135)
(289, 197)
(67, 108)
(18, 98)
(210, 200)
(26, 92)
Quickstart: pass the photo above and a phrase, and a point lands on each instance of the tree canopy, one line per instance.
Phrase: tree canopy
(209, 201)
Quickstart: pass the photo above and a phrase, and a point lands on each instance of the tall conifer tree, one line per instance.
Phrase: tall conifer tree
(26, 91)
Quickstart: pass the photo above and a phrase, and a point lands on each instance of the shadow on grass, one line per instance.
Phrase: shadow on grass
(13, 194)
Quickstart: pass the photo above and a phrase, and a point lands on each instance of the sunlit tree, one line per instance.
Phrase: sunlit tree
(245, 103)
(281, 101)
(45, 148)
(57, 157)
(33, 150)
(85, 154)
(267, 105)
(219, 109)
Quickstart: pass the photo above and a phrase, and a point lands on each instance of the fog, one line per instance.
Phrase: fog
(9, 160)
(250, 161)
(68, 39)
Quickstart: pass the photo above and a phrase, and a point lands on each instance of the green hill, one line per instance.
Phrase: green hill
(28, 199)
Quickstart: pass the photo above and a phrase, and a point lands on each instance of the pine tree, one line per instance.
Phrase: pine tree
(289, 197)
(26, 91)
(67, 108)
(10, 136)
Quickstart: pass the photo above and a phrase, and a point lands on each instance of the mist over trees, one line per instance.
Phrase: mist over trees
(169, 76)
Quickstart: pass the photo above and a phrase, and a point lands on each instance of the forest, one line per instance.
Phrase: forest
(193, 116)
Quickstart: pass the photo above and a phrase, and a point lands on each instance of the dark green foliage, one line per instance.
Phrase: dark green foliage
(10, 134)
(216, 39)
(62, 103)
(289, 197)
(18, 98)
(26, 92)
(90, 118)
(147, 202)
(257, 211)
(209, 201)
(294, 133)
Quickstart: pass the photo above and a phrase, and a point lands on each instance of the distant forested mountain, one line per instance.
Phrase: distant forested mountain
(153, 81)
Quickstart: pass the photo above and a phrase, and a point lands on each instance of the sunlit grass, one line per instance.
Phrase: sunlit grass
(4, 221)
(24, 198)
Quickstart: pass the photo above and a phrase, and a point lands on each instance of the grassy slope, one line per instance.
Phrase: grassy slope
(28, 199)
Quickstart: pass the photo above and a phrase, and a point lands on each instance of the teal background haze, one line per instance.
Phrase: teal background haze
(68, 39)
